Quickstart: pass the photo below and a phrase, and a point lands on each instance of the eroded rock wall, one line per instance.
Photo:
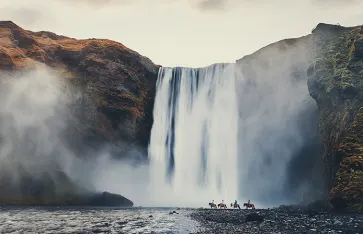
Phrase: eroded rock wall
(336, 85)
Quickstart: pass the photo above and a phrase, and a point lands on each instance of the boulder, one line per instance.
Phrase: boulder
(109, 199)
(254, 217)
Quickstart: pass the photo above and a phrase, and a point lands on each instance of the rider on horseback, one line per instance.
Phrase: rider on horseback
(211, 204)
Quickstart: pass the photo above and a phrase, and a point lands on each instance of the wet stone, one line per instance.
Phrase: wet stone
(279, 220)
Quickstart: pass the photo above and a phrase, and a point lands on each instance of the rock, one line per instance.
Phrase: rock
(254, 217)
(320, 205)
(313, 213)
(337, 222)
(46, 190)
(329, 30)
(109, 199)
(337, 87)
(117, 84)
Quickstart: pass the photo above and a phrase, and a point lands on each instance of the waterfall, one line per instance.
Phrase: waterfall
(193, 144)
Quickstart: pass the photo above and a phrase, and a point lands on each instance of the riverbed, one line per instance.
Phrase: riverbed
(79, 220)
(95, 220)
(279, 220)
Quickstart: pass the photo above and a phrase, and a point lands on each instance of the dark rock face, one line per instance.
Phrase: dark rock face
(336, 85)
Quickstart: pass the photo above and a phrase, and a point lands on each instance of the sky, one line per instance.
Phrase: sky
(191, 33)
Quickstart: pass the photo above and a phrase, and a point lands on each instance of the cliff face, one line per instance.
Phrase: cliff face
(336, 85)
(111, 90)
(115, 85)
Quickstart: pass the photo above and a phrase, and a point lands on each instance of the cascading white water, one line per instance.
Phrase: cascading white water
(193, 144)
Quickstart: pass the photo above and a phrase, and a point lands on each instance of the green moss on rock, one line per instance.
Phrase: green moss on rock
(334, 60)
(347, 192)
(336, 83)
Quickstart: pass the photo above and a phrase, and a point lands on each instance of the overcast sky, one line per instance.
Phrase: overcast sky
(183, 32)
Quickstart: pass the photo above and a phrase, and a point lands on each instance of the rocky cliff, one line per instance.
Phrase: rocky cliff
(116, 85)
(336, 84)
(110, 90)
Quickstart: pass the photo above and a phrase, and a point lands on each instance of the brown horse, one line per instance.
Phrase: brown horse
(235, 206)
(249, 205)
(212, 205)
(221, 205)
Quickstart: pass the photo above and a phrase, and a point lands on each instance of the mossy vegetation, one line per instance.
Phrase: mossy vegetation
(334, 60)
(347, 192)
(337, 85)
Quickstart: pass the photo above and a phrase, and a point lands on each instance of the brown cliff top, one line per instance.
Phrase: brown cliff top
(20, 48)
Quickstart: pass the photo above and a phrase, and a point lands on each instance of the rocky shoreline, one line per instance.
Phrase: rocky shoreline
(277, 220)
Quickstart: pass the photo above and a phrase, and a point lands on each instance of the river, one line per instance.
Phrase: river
(94, 220)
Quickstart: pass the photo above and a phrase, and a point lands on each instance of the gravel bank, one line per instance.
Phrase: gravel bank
(278, 220)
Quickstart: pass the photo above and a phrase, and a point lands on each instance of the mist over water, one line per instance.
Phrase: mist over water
(193, 145)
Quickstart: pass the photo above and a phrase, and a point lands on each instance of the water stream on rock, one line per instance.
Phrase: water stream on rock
(193, 144)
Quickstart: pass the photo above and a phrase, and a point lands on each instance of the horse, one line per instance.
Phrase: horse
(221, 205)
(249, 205)
(212, 205)
(235, 206)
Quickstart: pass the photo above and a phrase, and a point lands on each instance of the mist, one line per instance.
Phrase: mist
(32, 117)
(122, 176)
(37, 156)
(278, 128)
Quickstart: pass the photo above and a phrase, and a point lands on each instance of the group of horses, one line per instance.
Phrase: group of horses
(235, 206)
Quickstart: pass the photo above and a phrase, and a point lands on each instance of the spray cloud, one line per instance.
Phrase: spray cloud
(278, 132)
